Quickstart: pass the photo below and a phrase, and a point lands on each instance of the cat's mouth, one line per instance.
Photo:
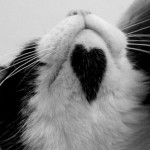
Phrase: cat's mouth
(80, 45)
(84, 50)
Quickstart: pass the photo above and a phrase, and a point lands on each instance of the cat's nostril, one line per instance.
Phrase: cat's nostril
(78, 12)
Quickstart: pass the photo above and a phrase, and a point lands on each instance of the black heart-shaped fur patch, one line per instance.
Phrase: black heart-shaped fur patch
(89, 65)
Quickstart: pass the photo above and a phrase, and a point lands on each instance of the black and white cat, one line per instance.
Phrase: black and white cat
(83, 86)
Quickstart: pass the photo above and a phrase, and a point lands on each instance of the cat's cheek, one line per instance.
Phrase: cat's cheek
(115, 39)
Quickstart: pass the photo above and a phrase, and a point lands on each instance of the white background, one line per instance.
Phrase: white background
(22, 20)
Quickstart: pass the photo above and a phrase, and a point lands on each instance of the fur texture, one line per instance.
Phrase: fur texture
(79, 88)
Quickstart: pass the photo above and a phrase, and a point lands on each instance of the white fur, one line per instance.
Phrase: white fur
(63, 119)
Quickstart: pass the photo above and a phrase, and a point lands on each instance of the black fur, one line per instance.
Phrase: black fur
(15, 93)
(89, 67)
(136, 24)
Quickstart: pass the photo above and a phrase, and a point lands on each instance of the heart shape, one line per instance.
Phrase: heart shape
(89, 67)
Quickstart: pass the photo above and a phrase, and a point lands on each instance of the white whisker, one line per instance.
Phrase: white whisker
(135, 19)
(139, 40)
(139, 35)
(25, 56)
(28, 58)
(5, 55)
(138, 30)
(30, 65)
(139, 44)
(18, 69)
(15, 71)
(15, 52)
(139, 50)
(34, 65)
(136, 24)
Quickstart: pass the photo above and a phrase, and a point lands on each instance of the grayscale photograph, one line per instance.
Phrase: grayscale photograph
(75, 75)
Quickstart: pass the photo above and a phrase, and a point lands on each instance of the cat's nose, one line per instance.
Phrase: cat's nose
(79, 12)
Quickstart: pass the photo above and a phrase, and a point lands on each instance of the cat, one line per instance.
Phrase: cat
(83, 86)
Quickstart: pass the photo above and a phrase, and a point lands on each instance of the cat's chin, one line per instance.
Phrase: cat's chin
(90, 39)
(115, 39)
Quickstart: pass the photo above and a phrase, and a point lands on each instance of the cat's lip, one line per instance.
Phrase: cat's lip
(108, 32)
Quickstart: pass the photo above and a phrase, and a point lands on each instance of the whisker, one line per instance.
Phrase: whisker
(19, 56)
(134, 20)
(28, 58)
(138, 30)
(136, 24)
(15, 71)
(139, 50)
(139, 44)
(139, 35)
(34, 65)
(139, 40)
(15, 52)
(25, 56)
(18, 69)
